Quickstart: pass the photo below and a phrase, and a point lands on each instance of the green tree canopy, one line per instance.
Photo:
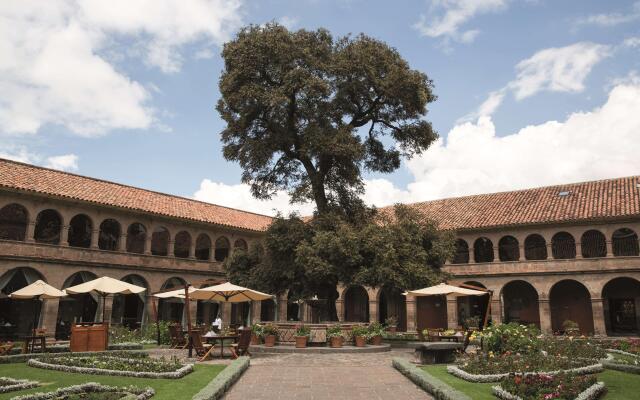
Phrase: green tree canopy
(309, 113)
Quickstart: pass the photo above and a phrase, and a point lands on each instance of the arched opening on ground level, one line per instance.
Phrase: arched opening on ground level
(621, 301)
(109, 235)
(80, 228)
(17, 316)
(393, 305)
(322, 305)
(130, 309)
(570, 300)
(48, 227)
(171, 309)
(431, 312)
(13, 222)
(77, 307)
(520, 302)
(206, 312)
(267, 310)
(624, 242)
(356, 304)
(240, 313)
(472, 309)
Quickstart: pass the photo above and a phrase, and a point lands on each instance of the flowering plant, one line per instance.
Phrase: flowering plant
(334, 331)
(547, 387)
(302, 330)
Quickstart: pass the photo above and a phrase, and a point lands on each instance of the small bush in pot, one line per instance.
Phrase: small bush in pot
(256, 334)
(270, 334)
(375, 332)
(392, 324)
(334, 335)
(571, 328)
(360, 335)
(302, 335)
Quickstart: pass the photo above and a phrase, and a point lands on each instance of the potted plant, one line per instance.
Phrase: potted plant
(302, 335)
(256, 334)
(571, 328)
(360, 334)
(269, 333)
(334, 334)
(391, 324)
(375, 332)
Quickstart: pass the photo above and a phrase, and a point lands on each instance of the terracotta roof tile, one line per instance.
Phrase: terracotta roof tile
(30, 178)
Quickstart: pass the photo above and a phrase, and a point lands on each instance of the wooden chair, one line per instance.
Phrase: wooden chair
(5, 348)
(242, 347)
(203, 350)
(177, 338)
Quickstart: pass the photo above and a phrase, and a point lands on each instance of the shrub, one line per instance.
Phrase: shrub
(257, 330)
(334, 330)
(391, 322)
(270, 329)
(490, 363)
(570, 327)
(548, 387)
(359, 330)
(303, 330)
(511, 337)
(375, 329)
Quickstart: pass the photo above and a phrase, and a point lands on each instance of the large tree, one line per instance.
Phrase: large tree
(309, 113)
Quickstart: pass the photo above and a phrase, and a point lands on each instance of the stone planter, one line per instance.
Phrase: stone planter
(361, 341)
(336, 342)
(270, 340)
(301, 341)
(376, 340)
(255, 340)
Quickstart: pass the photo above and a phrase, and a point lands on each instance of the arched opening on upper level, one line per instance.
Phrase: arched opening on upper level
(461, 255)
(240, 244)
(483, 250)
(160, 241)
(13, 222)
(222, 249)
(535, 247)
(48, 227)
(563, 246)
(593, 244)
(136, 237)
(80, 228)
(203, 247)
(182, 245)
(625, 243)
(109, 235)
(508, 249)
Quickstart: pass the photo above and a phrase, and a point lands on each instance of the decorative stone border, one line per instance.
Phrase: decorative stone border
(427, 382)
(216, 388)
(64, 348)
(90, 387)
(626, 353)
(10, 384)
(591, 393)
(20, 358)
(484, 378)
(98, 371)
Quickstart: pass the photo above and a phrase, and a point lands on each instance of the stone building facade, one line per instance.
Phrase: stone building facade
(547, 255)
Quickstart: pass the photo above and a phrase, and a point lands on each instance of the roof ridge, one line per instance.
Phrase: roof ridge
(128, 186)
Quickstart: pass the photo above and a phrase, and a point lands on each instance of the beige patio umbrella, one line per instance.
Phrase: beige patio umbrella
(105, 286)
(38, 291)
(229, 293)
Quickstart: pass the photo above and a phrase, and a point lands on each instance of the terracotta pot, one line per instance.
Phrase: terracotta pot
(255, 340)
(270, 340)
(361, 341)
(301, 341)
(376, 340)
(336, 342)
(392, 329)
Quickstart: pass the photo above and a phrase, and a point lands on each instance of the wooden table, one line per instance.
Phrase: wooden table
(31, 341)
(221, 339)
(450, 338)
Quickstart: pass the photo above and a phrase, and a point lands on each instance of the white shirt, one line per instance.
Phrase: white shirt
(217, 323)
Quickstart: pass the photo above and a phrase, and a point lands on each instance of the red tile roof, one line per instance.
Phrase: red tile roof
(25, 177)
(587, 201)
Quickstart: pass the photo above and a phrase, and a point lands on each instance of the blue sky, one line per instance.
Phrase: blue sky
(125, 90)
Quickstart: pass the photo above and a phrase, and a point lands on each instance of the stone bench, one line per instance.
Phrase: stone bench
(436, 352)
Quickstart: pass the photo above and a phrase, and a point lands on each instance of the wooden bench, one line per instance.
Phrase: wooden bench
(436, 352)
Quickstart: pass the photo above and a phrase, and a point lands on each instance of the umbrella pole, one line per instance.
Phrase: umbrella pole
(104, 299)
(155, 313)
(486, 313)
(186, 303)
(35, 316)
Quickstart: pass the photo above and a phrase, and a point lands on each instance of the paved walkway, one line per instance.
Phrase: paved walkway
(325, 376)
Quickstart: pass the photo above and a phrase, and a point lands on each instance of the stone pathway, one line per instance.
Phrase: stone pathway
(325, 376)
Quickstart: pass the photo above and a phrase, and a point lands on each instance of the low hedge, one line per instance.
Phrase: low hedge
(64, 348)
(50, 365)
(90, 387)
(11, 385)
(593, 392)
(20, 358)
(485, 378)
(216, 388)
(427, 382)
(630, 368)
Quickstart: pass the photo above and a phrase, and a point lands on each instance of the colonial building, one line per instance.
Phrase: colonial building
(548, 255)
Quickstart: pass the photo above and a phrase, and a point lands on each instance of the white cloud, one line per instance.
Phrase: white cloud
(288, 22)
(57, 58)
(446, 17)
(610, 19)
(67, 162)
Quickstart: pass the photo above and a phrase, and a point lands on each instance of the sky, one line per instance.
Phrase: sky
(530, 93)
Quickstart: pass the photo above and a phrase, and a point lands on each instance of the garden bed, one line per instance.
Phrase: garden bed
(585, 370)
(96, 391)
(139, 366)
(549, 387)
(11, 385)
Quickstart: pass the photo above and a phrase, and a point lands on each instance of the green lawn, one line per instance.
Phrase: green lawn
(166, 389)
(620, 385)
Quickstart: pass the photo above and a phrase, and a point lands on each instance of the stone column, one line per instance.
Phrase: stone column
(64, 236)
(192, 249)
(340, 309)
(496, 311)
(256, 310)
(282, 308)
(578, 250)
(49, 315)
(373, 311)
(122, 246)
(206, 313)
(95, 237)
(147, 243)
(521, 251)
(609, 248)
(193, 309)
(226, 314)
(452, 313)
(472, 255)
(31, 229)
(108, 309)
(411, 314)
(545, 315)
(549, 250)
(598, 316)
(171, 248)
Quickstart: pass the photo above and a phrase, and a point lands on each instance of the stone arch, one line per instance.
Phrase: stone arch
(48, 227)
(130, 310)
(136, 238)
(472, 307)
(570, 300)
(171, 309)
(483, 250)
(160, 241)
(563, 246)
(593, 244)
(624, 242)
(80, 231)
(621, 301)
(356, 304)
(77, 307)
(462, 252)
(508, 248)
(268, 310)
(535, 247)
(222, 249)
(17, 316)
(240, 244)
(520, 303)
(391, 303)
(109, 236)
(294, 304)
(322, 305)
(14, 219)
(182, 246)
(203, 247)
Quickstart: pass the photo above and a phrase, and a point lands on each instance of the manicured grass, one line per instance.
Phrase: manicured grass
(623, 357)
(166, 389)
(620, 385)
